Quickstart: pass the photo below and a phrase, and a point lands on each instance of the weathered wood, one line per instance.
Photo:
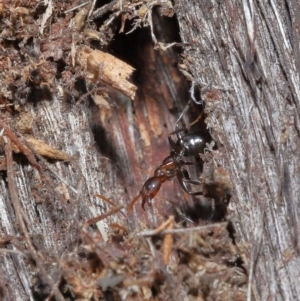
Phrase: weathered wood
(249, 53)
(113, 152)
(244, 57)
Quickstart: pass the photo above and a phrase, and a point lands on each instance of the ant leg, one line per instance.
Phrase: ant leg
(191, 163)
(183, 216)
(184, 180)
(173, 144)
(191, 181)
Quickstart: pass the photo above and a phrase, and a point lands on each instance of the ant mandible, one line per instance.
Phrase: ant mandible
(173, 165)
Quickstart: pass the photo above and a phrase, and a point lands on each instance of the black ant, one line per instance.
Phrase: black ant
(173, 165)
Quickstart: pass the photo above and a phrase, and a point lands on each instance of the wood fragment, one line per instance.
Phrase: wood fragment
(27, 152)
(103, 66)
(41, 148)
(182, 230)
(46, 15)
(168, 242)
(46, 150)
(80, 19)
(24, 123)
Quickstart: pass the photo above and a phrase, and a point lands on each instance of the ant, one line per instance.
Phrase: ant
(173, 165)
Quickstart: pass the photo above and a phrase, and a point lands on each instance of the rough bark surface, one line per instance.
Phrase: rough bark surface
(247, 54)
(244, 58)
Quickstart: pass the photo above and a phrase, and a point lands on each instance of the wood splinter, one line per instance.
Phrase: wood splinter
(43, 149)
(104, 66)
(168, 238)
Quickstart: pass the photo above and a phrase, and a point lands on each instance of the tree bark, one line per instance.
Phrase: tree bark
(244, 55)
(244, 59)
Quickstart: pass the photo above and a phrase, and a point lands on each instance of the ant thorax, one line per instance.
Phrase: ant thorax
(192, 144)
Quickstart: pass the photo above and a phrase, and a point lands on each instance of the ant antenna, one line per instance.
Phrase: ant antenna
(183, 112)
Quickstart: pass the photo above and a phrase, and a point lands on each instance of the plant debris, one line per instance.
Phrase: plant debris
(51, 33)
(202, 264)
